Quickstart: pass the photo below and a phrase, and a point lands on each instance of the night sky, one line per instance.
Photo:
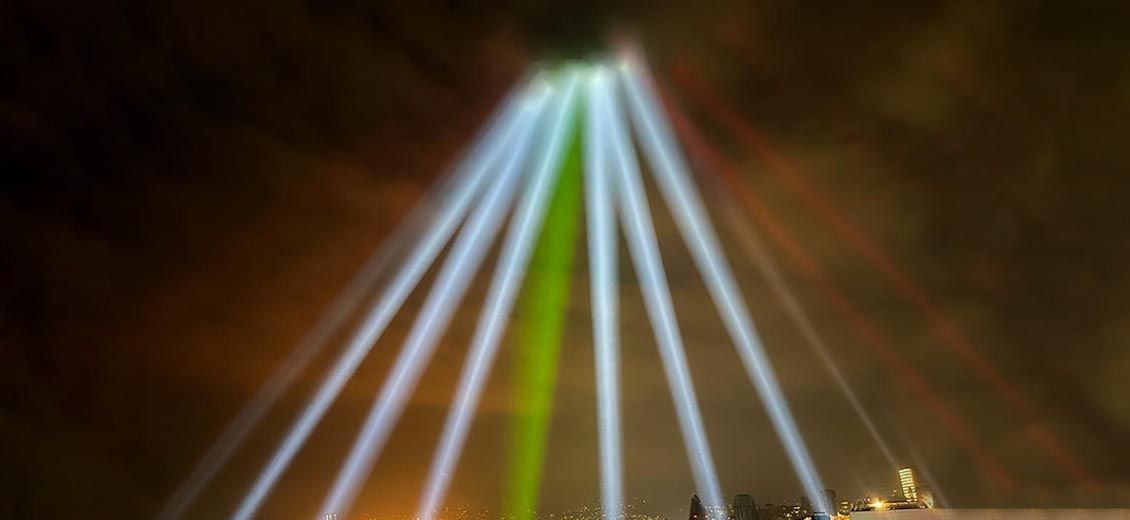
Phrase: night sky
(185, 186)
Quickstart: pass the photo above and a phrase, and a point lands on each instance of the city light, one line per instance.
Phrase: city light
(507, 278)
(693, 223)
(451, 284)
(907, 484)
(518, 116)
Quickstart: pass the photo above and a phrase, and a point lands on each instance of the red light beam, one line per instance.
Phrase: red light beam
(868, 333)
(952, 337)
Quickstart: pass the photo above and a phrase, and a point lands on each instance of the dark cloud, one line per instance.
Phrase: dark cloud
(186, 185)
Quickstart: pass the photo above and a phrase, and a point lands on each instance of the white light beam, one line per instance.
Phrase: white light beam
(443, 195)
(645, 255)
(511, 269)
(698, 233)
(450, 286)
(603, 283)
(755, 249)
(393, 297)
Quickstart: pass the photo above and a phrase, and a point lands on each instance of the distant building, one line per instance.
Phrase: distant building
(697, 511)
(772, 512)
(805, 507)
(745, 508)
(909, 487)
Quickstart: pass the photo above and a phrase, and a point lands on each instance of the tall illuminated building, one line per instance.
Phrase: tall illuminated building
(909, 487)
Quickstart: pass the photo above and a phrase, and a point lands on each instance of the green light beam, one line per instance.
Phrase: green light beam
(543, 306)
